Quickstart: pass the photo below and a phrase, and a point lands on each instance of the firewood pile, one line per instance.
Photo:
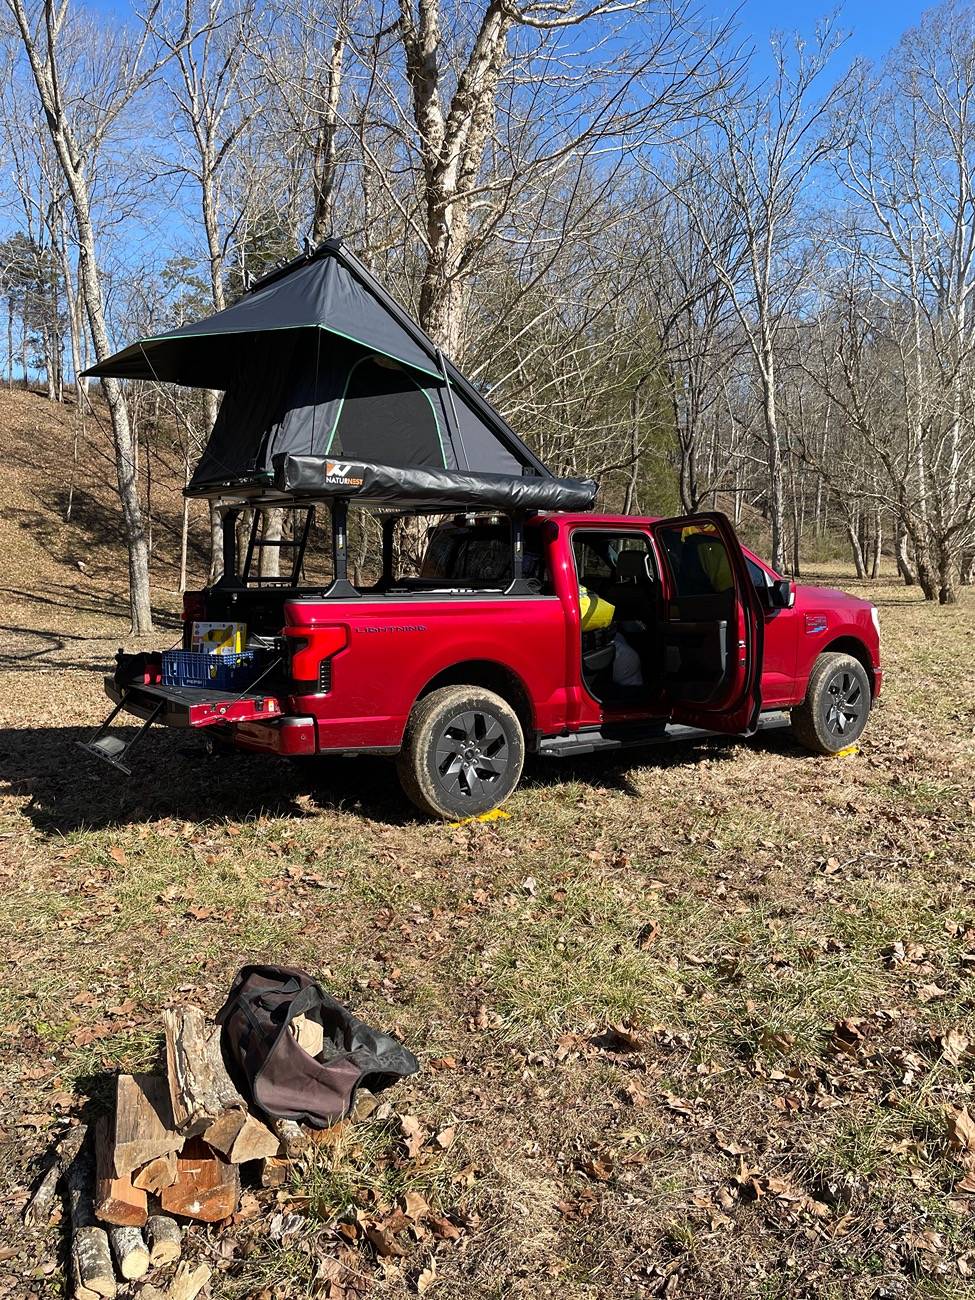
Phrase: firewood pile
(169, 1151)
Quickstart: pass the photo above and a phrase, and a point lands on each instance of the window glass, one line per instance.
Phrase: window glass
(698, 559)
(600, 563)
(479, 554)
(758, 575)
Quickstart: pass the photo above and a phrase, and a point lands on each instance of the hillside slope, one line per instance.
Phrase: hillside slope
(61, 539)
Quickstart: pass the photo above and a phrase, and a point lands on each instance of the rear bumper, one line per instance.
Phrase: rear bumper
(286, 736)
(878, 681)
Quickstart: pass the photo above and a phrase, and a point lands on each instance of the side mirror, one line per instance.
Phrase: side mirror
(782, 594)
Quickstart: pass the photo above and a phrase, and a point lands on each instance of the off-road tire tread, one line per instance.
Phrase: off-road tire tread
(806, 718)
(411, 764)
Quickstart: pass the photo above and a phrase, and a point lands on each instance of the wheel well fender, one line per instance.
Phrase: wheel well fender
(851, 645)
(494, 677)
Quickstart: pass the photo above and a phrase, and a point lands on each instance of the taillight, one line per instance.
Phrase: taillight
(194, 606)
(312, 649)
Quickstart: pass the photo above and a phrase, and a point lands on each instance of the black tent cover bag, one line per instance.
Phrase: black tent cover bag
(276, 1073)
(418, 485)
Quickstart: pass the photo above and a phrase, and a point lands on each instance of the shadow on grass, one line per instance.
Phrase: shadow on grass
(88, 599)
(67, 790)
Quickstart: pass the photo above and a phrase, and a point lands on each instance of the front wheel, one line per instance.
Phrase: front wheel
(837, 704)
(463, 752)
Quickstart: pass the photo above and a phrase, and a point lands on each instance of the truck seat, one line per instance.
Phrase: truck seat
(632, 590)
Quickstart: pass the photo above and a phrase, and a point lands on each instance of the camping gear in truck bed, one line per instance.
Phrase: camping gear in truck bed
(222, 672)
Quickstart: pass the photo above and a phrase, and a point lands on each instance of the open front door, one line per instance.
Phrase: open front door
(711, 625)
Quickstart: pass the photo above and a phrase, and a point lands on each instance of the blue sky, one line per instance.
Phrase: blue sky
(875, 27)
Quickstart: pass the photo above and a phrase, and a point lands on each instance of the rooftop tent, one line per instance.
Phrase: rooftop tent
(318, 360)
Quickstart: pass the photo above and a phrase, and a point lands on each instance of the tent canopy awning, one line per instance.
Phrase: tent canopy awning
(317, 359)
(311, 293)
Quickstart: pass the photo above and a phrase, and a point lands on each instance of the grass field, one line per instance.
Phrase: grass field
(692, 1024)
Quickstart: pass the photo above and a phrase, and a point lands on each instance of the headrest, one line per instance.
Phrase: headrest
(632, 566)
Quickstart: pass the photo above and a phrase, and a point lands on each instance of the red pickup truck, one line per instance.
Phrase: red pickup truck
(479, 658)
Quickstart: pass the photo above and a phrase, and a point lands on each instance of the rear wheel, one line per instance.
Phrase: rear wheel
(837, 704)
(463, 752)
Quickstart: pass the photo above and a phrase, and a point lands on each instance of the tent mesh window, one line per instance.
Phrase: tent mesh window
(387, 414)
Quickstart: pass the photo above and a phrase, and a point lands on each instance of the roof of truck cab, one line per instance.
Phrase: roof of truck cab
(570, 520)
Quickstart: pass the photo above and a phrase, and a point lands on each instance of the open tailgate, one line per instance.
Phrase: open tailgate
(173, 706)
(191, 706)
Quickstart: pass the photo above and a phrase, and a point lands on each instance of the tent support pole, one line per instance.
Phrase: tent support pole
(389, 528)
(519, 585)
(455, 431)
(341, 587)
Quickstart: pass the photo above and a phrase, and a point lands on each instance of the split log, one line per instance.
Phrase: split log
(220, 1134)
(207, 1187)
(144, 1128)
(116, 1200)
(366, 1103)
(274, 1171)
(130, 1252)
(241, 1137)
(292, 1136)
(78, 1290)
(189, 1281)
(165, 1238)
(38, 1211)
(200, 1088)
(157, 1174)
(91, 1260)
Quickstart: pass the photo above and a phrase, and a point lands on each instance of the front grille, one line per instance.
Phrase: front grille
(325, 676)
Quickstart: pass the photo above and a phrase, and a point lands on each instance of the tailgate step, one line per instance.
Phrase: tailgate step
(172, 706)
(111, 749)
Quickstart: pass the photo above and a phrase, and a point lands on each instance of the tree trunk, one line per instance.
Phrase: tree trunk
(776, 491)
(902, 555)
(269, 557)
(855, 547)
(71, 300)
(210, 401)
(926, 577)
(77, 182)
(878, 535)
(324, 161)
(184, 525)
(947, 575)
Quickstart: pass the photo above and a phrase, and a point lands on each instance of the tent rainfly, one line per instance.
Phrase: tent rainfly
(317, 361)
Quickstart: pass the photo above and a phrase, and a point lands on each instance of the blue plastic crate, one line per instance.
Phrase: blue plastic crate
(222, 672)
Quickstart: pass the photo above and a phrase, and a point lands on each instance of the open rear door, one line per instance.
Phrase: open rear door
(711, 625)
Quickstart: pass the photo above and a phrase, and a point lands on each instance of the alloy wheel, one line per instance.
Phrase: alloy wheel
(472, 754)
(843, 703)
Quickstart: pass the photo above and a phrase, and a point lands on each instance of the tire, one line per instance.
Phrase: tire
(837, 704)
(463, 752)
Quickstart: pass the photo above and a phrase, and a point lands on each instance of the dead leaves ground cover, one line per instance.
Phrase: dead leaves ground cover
(697, 1024)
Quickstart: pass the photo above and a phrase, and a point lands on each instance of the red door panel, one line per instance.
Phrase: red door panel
(711, 625)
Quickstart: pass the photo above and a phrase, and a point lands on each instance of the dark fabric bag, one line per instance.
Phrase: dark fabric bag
(277, 1074)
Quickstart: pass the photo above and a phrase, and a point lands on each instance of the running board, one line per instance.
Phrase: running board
(111, 749)
(640, 737)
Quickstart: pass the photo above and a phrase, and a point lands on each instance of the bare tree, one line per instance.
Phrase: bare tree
(80, 118)
(216, 102)
(760, 149)
(491, 122)
(911, 172)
